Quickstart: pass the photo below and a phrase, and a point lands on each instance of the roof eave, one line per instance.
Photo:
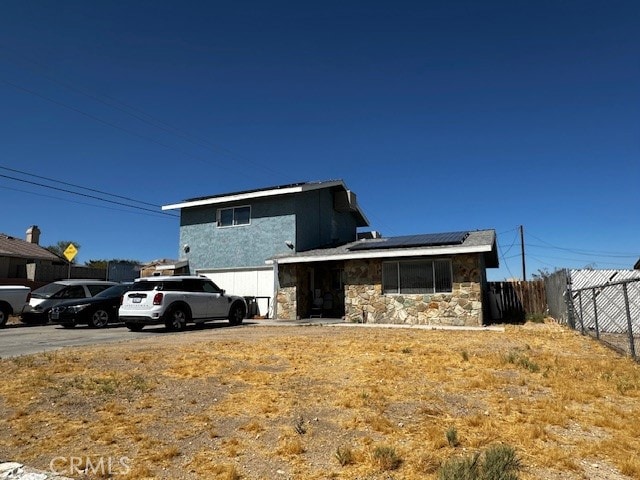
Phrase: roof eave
(258, 194)
(52, 257)
(491, 257)
(386, 253)
(361, 218)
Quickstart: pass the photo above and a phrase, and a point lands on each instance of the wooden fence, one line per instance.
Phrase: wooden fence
(51, 273)
(513, 301)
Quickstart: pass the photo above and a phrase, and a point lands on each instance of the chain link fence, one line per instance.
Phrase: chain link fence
(604, 304)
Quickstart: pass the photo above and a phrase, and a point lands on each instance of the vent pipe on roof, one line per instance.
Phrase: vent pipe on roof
(33, 234)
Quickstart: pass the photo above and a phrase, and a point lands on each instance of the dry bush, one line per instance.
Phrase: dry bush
(385, 458)
(290, 444)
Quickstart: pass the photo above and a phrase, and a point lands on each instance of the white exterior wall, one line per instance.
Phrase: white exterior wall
(254, 282)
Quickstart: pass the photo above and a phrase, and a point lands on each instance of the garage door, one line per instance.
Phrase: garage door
(247, 283)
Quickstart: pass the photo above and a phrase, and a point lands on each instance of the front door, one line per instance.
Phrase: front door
(326, 290)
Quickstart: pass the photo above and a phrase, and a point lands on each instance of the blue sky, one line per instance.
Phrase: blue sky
(441, 116)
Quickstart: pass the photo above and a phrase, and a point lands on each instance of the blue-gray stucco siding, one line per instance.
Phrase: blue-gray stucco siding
(319, 224)
(308, 220)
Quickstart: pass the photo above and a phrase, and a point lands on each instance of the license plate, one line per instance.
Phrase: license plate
(55, 315)
(136, 299)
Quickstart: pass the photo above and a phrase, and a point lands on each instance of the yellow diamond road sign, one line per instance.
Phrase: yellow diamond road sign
(70, 252)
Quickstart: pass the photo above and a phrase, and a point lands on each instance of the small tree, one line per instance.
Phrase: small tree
(59, 247)
(541, 274)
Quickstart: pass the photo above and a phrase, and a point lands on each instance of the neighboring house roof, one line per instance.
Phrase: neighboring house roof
(15, 247)
(637, 265)
(173, 266)
(269, 192)
(450, 243)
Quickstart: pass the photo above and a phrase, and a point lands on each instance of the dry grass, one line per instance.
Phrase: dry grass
(321, 403)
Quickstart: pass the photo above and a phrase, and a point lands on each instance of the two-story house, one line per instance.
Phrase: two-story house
(296, 248)
(229, 237)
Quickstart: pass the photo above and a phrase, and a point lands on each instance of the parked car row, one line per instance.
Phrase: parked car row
(173, 301)
(43, 299)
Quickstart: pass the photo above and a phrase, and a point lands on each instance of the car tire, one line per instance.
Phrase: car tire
(4, 316)
(68, 324)
(134, 327)
(237, 313)
(99, 319)
(177, 318)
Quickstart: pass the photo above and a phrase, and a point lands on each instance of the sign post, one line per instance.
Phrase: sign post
(70, 253)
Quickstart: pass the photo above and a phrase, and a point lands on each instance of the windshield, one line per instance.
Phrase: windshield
(114, 291)
(47, 291)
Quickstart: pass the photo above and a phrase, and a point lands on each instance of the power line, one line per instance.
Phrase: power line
(83, 203)
(590, 254)
(86, 195)
(78, 186)
(584, 252)
(580, 260)
(513, 242)
(506, 264)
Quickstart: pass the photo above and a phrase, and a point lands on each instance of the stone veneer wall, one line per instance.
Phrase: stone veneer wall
(365, 302)
(286, 299)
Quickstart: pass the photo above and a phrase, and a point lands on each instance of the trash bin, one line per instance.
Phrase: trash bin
(252, 306)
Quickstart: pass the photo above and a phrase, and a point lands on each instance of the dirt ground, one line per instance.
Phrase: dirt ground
(324, 402)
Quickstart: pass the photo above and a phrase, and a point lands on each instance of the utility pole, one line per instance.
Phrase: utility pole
(524, 271)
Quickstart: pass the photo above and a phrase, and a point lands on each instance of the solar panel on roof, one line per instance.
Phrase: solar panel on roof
(410, 241)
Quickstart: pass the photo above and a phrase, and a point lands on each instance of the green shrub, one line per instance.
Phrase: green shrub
(535, 317)
(498, 462)
(460, 468)
(452, 436)
(516, 358)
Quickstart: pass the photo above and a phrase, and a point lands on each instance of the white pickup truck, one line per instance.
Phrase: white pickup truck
(13, 299)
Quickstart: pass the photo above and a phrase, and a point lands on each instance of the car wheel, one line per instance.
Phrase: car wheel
(4, 316)
(99, 319)
(134, 327)
(237, 313)
(68, 324)
(177, 319)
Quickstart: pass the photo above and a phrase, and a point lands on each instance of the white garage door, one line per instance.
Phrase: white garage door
(247, 283)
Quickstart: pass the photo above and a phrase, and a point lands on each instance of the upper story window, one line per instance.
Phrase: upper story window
(417, 277)
(230, 217)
